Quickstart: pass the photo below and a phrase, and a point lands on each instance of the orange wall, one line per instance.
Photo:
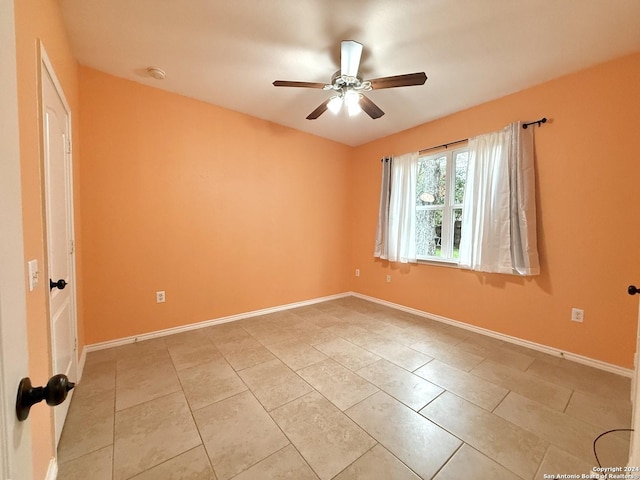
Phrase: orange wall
(589, 220)
(225, 212)
(40, 19)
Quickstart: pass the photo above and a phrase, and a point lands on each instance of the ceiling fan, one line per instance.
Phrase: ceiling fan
(348, 86)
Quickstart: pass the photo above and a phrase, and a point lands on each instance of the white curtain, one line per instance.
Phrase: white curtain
(381, 249)
(499, 211)
(400, 229)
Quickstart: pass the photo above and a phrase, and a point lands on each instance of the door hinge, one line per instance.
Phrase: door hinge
(73, 247)
(69, 146)
(75, 345)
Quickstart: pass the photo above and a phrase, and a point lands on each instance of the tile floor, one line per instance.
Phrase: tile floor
(345, 389)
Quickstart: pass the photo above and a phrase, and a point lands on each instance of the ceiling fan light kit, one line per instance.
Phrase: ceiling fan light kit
(348, 85)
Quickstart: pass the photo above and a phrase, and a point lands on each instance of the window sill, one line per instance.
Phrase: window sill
(436, 262)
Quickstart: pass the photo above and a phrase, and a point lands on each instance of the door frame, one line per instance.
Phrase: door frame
(13, 323)
(634, 446)
(46, 68)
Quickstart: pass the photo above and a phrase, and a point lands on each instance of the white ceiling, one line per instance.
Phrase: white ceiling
(228, 52)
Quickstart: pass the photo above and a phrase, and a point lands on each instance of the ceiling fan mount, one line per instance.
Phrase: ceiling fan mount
(348, 85)
(341, 82)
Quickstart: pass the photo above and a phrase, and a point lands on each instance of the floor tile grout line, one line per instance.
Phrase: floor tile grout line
(476, 448)
(455, 452)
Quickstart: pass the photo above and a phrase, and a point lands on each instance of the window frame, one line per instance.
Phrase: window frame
(447, 208)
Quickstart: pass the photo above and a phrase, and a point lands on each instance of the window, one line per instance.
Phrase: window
(439, 195)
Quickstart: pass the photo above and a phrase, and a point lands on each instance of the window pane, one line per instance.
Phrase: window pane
(457, 229)
(432, 181)
(461, 176)
(429, 232)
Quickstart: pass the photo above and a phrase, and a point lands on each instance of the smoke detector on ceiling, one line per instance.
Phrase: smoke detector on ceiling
(156, 73)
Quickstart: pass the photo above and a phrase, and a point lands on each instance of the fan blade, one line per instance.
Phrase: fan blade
(286, 83)
(350, 53)
(399, 81)
(319, 111)
(370, 108)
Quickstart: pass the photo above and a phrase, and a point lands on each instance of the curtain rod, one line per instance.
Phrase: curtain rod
(537, 122)
(446, 145)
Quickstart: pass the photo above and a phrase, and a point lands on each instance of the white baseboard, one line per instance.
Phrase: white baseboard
(208, 323)
(591, 362)
(81, 362)
(52, 471)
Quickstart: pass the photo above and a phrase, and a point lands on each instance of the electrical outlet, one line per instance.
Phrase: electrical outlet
(577, 315)
(357, 272)
(160, 297)
(388, 278)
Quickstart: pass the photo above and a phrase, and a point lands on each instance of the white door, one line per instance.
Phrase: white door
(58, 186)
(15, 437)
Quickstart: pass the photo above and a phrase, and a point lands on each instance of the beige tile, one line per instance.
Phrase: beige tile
(267, 335)
(557, 461)
(402, 356)
(571, 435)
(237, 433)
(210, 382)
(470, 463)
(322, 319)
(283, 465)
(421, 445)
(357, 319)
(513, 447)
(132, 355)
(479, 344)
(274, 384)
(244, 352)
(306, 311)
(98, 378)
(440, 332)
(189, 337)
(150, 380)
(88, 427)
(484, 394)
(236, 344)
(190, 355)
(338, 384)
(410, 389)
(282, 320)
(530, 386)
(377, 464)
(581, 377)
(191, 465)
(296, 354)
(347, 354)
(109, 355)
(225, 332)
(510, 358)
(348, 331)
(99, 463)
(326, 437)
(141, 434)
(314, 335)
(445, 353)
(387, 330)
(333, 307)
(606, 413)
